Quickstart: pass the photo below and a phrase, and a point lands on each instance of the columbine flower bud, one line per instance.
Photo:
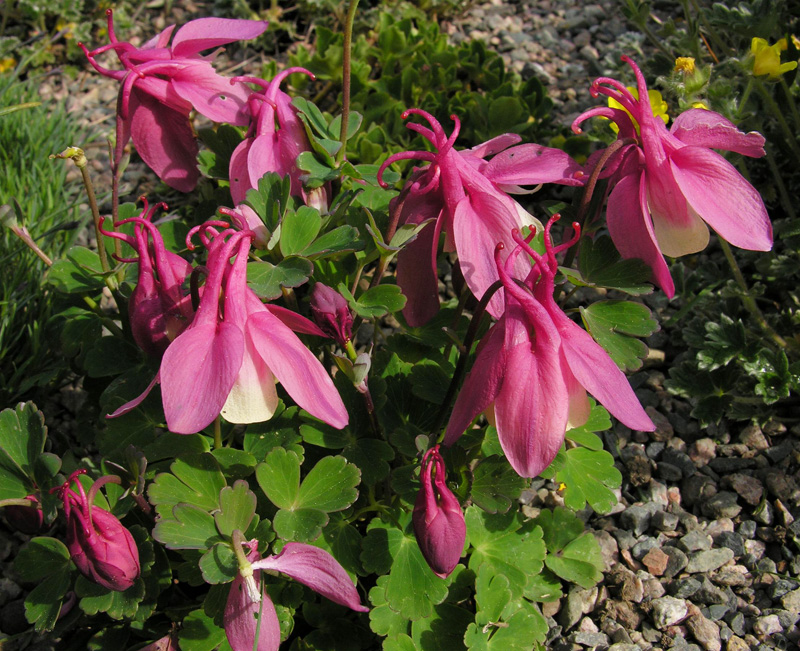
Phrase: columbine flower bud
(438, 520)
(102, 549)
(26, 519)
(331, 313)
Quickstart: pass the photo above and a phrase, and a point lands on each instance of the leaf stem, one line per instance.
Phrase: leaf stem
(748, 300)
(348, 42)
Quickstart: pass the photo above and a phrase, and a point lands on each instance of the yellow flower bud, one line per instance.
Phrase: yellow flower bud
(685, 65)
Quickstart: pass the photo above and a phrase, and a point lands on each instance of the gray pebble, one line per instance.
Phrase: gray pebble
(668, 611)
(723, 505)
(695, 541)
(791, 601)
(747, 529)
(668, 472)
(767, 625)
(725, 465)
(636, 519)
(683, 588)
(708, 560)
(732, 541)
(665, 521)
(640, 549)
(680, 460)
(677, 561)
(778, 453)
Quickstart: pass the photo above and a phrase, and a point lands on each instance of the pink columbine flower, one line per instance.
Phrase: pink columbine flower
(673, 185)
(465, 197)
(275, 139)
(439, 525)
(534, 368)
(161, 84)
(247, 604)
(227, 361)
(102, 549)
(26, 519)
(158, 308)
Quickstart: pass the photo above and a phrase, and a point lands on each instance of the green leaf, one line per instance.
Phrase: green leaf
(601, 266)
(329, 486)
(299, 229)
(271, 199)
(543, 587)
(234, 464)
(343, 238)
(599, 421)
(522, 629)
(43, 603)
(443, 630)
(588, 476)
(495, 485)
(22, 436)
(195, 479)
(372, 457)
(79, 273)
(117, 605)
(412, 588)
(376, 301)
(190, 527)
(199, 633)
(492, 596)
(615, 326)
(219, 564)
(508, 544)
(354, 121)
(559, 528)
(581, 562)
(41, 558)
(383, 620)
(237, 506)
(267, 279)
(318, 173)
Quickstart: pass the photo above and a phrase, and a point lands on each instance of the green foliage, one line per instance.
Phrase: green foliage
(616, 325)
(40, 200)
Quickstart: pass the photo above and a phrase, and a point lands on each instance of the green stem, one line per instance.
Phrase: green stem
(348, 41)
(217, 433)
(76, 155)
(748, 300)
(17, 502)
(791, 137)
(784, 195)
(461, 366)
(791, 102)
(745, 96)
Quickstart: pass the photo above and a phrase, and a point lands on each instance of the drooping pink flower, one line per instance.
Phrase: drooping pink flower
(102, 549)
(438, 520)
(249, 608)
(275, 139)
(158, 308)
(534, 368)
(161, 83)
(465, 197)
(672, 186)
(227, 361)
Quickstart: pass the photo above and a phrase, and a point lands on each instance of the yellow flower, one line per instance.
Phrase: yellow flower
(767, 58)
(7, 64)
(657, 103)
(685, 65)
(700, 105)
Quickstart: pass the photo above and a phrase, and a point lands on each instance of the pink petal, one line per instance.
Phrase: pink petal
(128, 406)
(600, 376)
(295, 321)
(531, 423)
(709, 129)
(296, 368)
(252, 398)
(241, 619)
(165, 141)
(197, 373)
(416, 275)
(481, 221)
(205, 33)
(212, 95)
(632, 231)
(481, 385)
(317, 569)
(677, 227)
(532, 164)
(264, 157)
(722, 197)
(238, 171)
(496, 144)
(160, 40)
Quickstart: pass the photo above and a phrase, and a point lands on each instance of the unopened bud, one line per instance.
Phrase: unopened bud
(26, 519)
(439, 525)
(331, 313)
(100, 546)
